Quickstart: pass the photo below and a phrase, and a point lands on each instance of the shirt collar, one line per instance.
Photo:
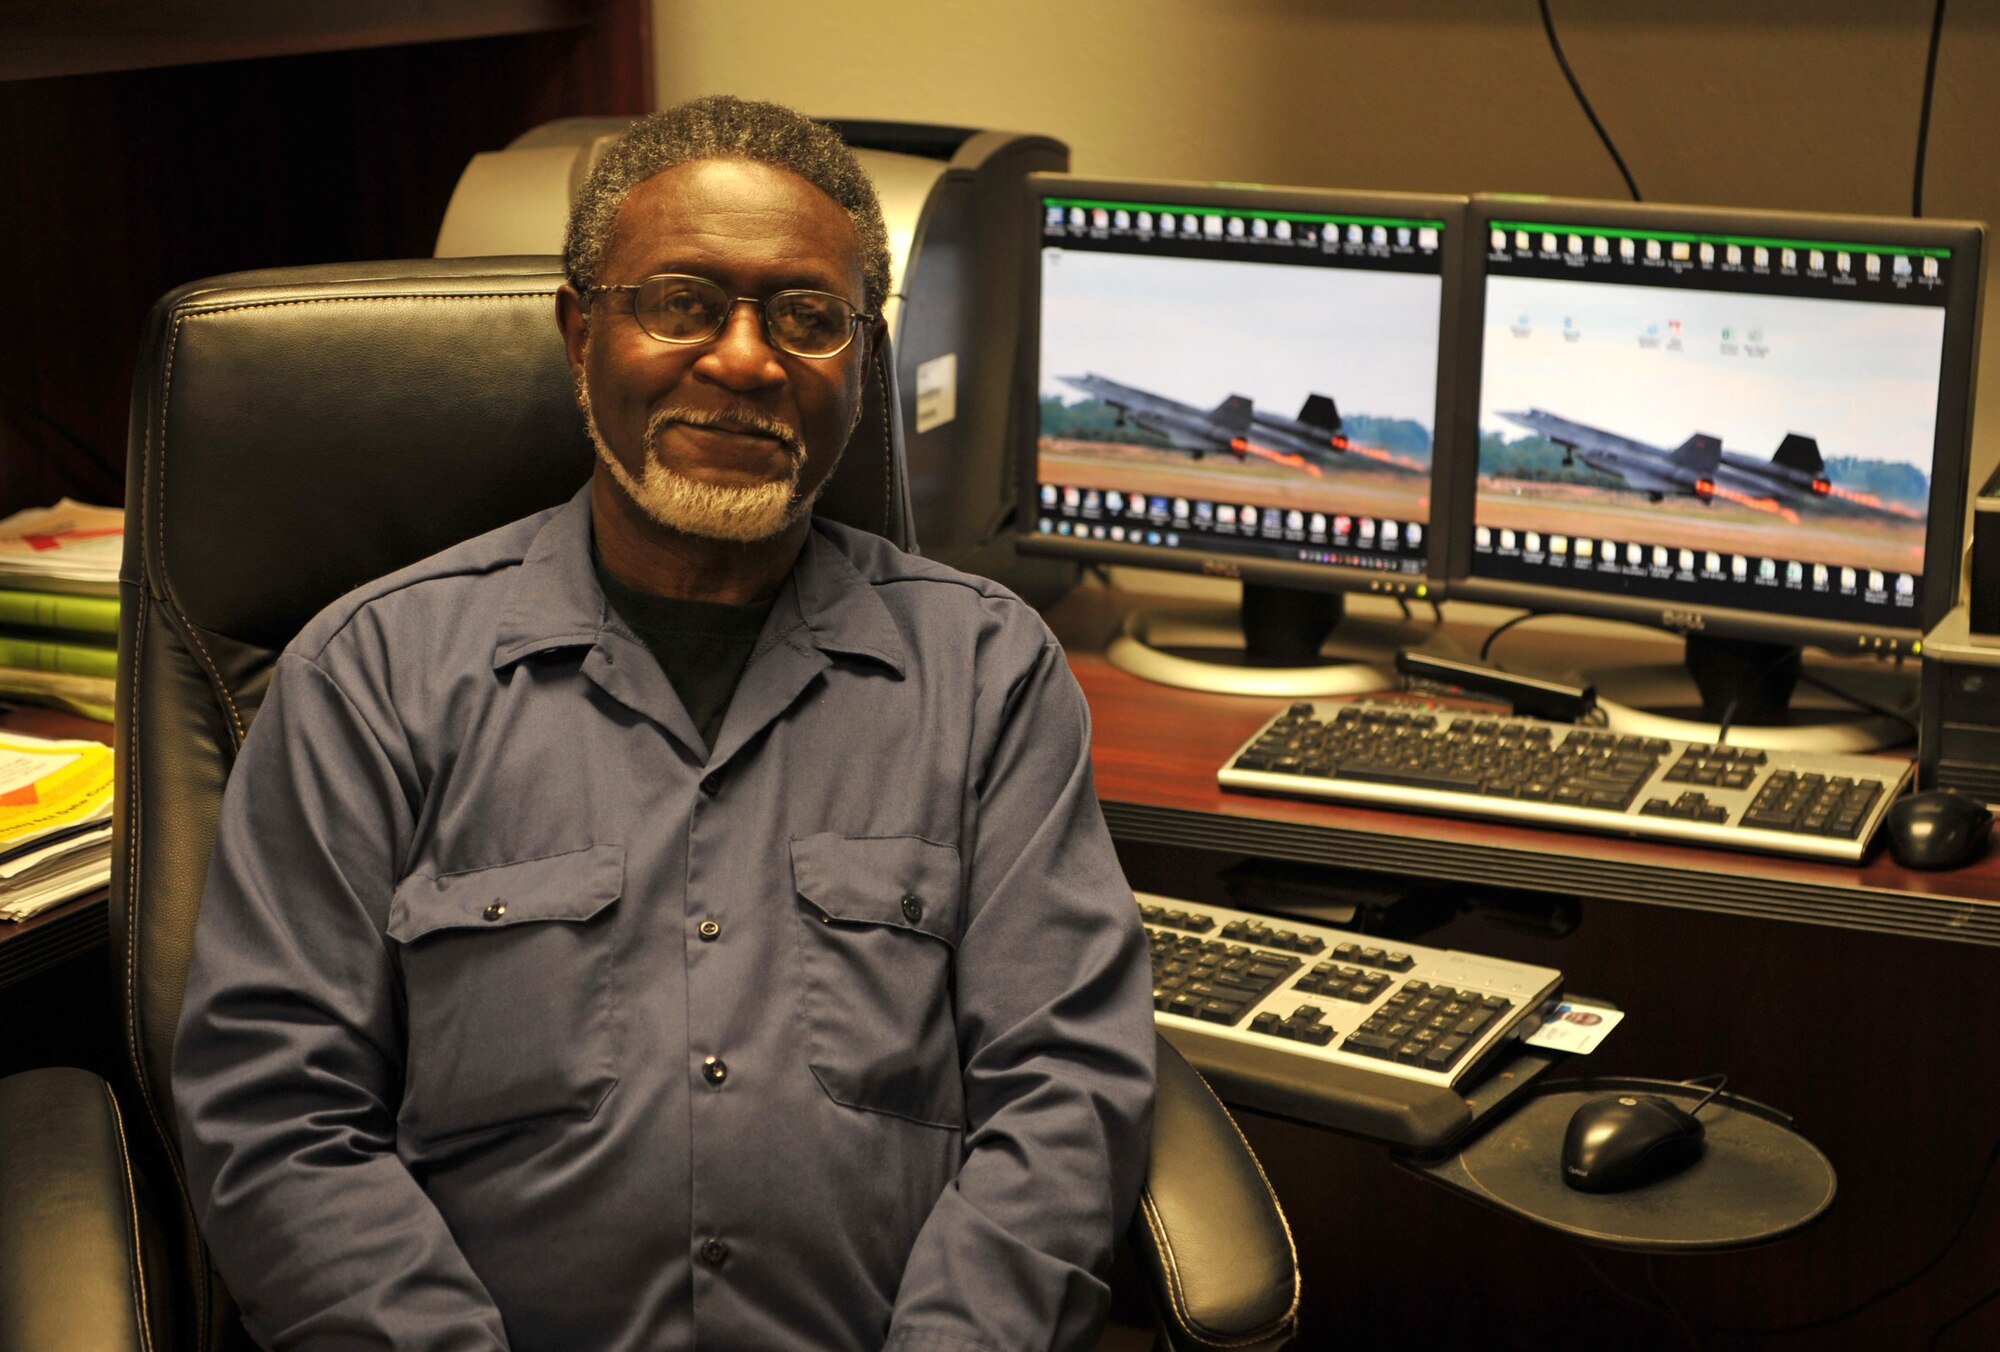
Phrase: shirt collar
(554, 600)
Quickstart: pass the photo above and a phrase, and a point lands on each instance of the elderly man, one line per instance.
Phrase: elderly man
(671, 921)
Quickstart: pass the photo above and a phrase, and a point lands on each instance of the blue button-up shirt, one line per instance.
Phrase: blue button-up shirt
(519, 1017)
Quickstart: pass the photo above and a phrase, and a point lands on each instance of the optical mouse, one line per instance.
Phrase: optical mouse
(1936, 829)
(1623, 1140)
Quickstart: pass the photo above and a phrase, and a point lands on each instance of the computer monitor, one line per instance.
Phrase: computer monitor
(1749, 428)
(1245, 382)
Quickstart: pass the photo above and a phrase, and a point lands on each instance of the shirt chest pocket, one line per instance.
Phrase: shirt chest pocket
(878, 933)
(507, 973)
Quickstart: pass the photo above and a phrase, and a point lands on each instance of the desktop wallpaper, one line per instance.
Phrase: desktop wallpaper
(1289, 386)
(1676, 403)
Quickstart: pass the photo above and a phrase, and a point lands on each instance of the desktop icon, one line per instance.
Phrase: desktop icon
(1367, 528)
(1819, 577)
(1847, 579)
(1930, 267)
(1816, 261)
(1118, 532)
(1601, 247)
(1733, 255)
(1402, 236)
(1392, 531)
(1173, 540)
(1521, 239)
(1548, 242)
(1295, 520)
(1507, 539)
(1635, 554)
(1180, 509)
(1145, 220)
(1122, 219)
(1531, 543)
(1906, 585)
(1686, 560)
(1761, 257)
(1585, 548)
(1872, 265)
(1283, 229)
(1427, 237)
(1576, 244)
(1204, 513)
(1100, 218)
(1260, 228)
(1789, 259)
(1317, 523)
(1707, 254)
(1900, 265)
(1236, 227)
(1795, 573)
(1353, 234)
(1653, 249)
(1062, 528)
(1680, 250)
(1627, 248)
(1091, 500)
(1211, 226)
(1343, 526)
(1559, 545)
(1660, 556)
(1166, 223)
(1054, 217)
(1739, 567)
(1499, 239)
(1157, 505)
(1225, 515)
(1189, 225)
(1114, 501)
(1711, 562)
(1767, 570)
(1482, 537)
(1876, 582)
(1076, 217)
(1048, 495)
(1072, 498)
(1379, 235)
(1413, 535)
(1842, 261)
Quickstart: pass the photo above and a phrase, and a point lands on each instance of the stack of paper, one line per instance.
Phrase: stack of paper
(59, 606)
(55, 822)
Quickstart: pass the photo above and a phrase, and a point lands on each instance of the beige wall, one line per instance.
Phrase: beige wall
(1803, 104)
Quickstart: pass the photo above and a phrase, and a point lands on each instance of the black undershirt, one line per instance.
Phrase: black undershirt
(703, 646)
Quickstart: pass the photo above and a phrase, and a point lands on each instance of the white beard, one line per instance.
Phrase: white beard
(743, 514)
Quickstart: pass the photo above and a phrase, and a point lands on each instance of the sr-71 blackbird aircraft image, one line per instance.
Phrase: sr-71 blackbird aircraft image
(1794, 475)
(1308, 442)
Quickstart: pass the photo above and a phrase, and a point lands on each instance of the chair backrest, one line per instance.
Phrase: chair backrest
(295, 433)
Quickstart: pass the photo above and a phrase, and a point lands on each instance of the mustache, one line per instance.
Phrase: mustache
(734, 420)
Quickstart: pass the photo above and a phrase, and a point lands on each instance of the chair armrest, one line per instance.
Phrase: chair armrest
(70, 1259)
(1209, 1233)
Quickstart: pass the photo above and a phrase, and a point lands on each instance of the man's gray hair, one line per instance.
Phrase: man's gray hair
(721, 127)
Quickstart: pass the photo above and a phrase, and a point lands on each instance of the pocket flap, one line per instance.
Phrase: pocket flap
(572, 886)
(880, 880)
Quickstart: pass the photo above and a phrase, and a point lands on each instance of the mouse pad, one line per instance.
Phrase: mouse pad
(1756, 1181)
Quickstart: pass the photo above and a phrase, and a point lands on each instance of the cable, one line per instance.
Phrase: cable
(1937, 1339)
(1924, 113)
(1870, 705)
(1696, 1081)
(1555, 45)
(1821, 1321)
(1487, 645)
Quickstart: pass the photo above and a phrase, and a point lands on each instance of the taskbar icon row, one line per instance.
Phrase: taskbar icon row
(1135, 517)
(1630, 558)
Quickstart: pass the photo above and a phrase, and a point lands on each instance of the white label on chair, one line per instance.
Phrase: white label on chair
(937, 391)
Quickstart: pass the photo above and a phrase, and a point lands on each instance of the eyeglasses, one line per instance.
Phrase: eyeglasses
(687, 310)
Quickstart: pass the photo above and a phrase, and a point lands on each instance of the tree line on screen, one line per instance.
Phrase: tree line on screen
(1539, 460)
(1095, 420)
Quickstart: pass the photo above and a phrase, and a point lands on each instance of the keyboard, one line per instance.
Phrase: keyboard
(1821, 806)
(1425, 1014)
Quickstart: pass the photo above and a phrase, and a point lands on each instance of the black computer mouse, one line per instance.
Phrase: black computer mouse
(1623, 1140)
(1937, 829)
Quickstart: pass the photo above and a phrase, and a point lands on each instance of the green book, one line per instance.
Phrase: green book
(55, 610)
(74, 659)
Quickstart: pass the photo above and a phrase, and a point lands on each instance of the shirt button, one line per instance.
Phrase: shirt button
(713, 1252)
(913, 907)
(495, 910)
(708, 929)
(710, 786)
(715, 1069)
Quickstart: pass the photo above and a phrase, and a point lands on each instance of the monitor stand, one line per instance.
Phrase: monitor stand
(1272, 648)
(1749, 684)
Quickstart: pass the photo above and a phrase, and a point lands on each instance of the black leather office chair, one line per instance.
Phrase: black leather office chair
(296, 433)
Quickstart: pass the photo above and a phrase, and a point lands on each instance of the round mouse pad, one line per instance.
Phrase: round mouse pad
(1757, 1180)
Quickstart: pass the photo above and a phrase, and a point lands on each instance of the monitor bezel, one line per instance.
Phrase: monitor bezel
(1321, 577)
(1455, 480)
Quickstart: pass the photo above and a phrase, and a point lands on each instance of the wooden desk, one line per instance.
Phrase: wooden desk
(1771, 970)
(1156, 751)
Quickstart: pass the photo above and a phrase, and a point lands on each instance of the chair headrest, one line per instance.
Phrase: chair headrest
(313, 428)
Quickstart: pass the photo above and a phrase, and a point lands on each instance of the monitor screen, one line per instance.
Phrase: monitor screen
(1748, 425)
(1237, 380)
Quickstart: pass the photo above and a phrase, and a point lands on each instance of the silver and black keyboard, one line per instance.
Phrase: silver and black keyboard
(1821, 806)
(1425, 1014)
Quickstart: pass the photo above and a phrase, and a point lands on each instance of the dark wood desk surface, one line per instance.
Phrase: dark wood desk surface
(1157, 749)
(78, 925)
